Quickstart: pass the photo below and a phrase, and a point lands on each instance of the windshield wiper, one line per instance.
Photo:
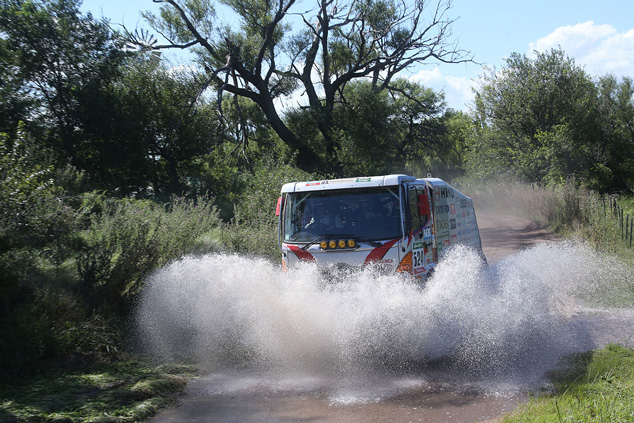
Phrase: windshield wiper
(313, 242)
(369, 241)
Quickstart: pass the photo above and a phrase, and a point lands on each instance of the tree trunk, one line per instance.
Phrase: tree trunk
(307, 159)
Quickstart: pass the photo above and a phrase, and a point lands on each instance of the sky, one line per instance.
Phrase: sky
(598, 34)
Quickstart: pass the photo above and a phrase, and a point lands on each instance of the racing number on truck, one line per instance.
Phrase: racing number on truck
(418, 257)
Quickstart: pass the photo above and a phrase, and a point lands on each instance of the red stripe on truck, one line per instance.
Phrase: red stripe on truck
(301, 254)
(378, 253)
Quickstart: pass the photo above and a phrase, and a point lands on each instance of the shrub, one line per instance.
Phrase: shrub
(131, 238)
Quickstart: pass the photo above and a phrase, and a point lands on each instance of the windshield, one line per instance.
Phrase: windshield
(362, 214)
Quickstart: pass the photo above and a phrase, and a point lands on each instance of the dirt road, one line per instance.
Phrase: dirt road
(503, 235)
(239, 397)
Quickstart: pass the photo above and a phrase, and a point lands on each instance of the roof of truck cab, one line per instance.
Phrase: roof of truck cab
(360, 182)
(434, 182)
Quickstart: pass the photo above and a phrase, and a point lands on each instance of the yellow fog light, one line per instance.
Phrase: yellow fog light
(332, 244)
(324, 245)
(351, 243)
(342, 243)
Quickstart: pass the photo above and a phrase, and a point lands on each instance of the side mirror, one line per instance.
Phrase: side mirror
(278, 208)
(423, 205)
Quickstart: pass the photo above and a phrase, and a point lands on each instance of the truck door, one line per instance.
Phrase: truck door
(419, 220)
(444, 208)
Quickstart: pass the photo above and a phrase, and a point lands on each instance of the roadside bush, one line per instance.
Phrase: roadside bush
(37, 237)
(131, 238)
(71, 263)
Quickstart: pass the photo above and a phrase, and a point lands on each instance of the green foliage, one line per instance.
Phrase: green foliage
(375, 132)
(174, 130)
(616, 106)
(130, 239)
(59, 64)
(544, 120)
(126, 391)
(593, 386)
(70, 265)
(627, 202)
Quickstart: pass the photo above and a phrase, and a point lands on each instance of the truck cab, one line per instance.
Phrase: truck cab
(395, 222)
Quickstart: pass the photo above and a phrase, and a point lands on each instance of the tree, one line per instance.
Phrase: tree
(381, 132)
(616, 105)
(539, 119)
(58, 65)
(171, 126)
(447, 156)
(275, 48)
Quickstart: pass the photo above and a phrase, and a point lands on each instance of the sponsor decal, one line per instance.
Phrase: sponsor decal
(442, 224)
(419, 270)
(453, 209)
(452, 222)
(363, 180)
(386, 261)
(436, 195)
(454, 238)
(418, 245)
(426, 233)
(338, 181)
(464, 214)
(463, 203)
(446, 243)
(446, 192)
(442, 209)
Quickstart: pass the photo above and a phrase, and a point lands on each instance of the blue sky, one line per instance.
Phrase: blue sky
(598, 34)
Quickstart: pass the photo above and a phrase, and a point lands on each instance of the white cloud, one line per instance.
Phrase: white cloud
(457, 89)
(601, 49)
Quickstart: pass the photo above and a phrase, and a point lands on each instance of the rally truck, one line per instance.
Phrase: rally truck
(397, 223)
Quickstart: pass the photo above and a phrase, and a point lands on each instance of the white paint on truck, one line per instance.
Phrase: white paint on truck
(397, 222)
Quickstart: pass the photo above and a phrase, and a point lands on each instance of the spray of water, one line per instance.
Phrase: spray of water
(507, 321)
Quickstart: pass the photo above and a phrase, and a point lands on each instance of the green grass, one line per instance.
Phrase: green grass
(596, 386)
(627, 202)
(126, 391)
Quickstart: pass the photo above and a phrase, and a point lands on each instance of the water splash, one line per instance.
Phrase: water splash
(509, 321)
